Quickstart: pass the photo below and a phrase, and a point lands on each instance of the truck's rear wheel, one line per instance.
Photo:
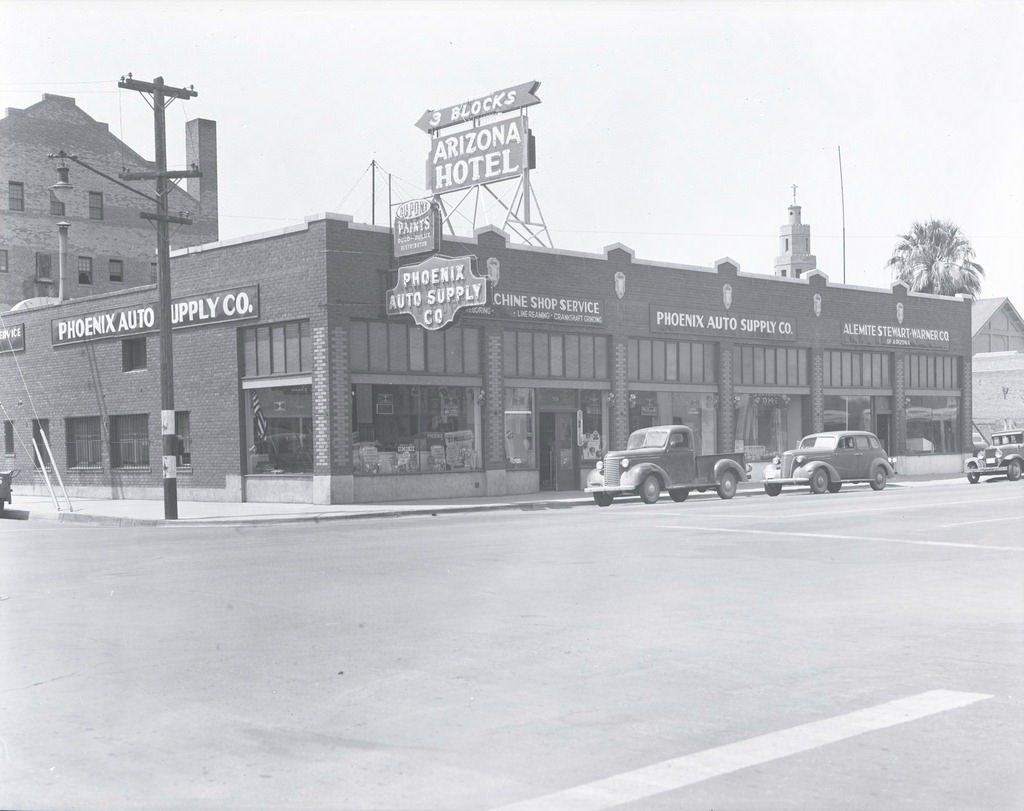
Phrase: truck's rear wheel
(679, 494)
(650, 489)
(727, 485)
(603, 499)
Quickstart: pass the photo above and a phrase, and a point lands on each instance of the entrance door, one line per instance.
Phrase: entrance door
(557, 445)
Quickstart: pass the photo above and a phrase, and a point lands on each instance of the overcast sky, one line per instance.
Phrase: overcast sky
(675, 128)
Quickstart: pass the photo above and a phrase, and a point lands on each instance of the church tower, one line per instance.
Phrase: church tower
(795, 257)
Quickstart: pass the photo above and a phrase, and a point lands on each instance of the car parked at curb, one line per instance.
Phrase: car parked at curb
(826, 461)
(663, 457)
(1003, 456)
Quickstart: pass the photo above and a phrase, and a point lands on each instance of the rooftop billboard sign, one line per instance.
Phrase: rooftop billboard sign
(501, 101)
(479, 155)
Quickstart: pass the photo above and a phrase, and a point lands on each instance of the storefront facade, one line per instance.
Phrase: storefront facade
(309, 368)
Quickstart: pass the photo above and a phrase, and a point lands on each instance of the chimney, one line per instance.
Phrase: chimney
(201, 148)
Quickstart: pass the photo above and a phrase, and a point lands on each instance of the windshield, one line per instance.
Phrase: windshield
(646, 439)
(826, 442)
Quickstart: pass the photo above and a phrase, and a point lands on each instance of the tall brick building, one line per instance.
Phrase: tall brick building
(293, 382)
(110, 248)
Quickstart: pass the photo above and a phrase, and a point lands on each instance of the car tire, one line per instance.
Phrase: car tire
(679, 494)
(819, 481)
(773, 489)
(650, 489)
(727, 485)
(974, 478)
(879, 478)
(603, 499)
(834, 487)
(1013, 470)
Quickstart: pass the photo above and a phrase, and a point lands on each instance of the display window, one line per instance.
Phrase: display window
(696, 409)
(280, 429)
(415, 429)
(768, 424)
(933, 424)
(860, 412)
(520, 448)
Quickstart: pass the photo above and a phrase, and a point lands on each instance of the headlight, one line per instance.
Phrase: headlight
(599, 466)
(625, 463)
(776, 461)
(799, 460)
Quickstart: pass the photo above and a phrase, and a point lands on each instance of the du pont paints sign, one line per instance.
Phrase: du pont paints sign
(434, 290)
(12, 338)
(741, 326)
(208, 308)
(482, 154)
(417, 229)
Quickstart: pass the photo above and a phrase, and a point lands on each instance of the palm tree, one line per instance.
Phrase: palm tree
(935, 257)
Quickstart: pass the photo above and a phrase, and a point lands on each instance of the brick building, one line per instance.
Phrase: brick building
(110, 248)
(292, 382)
(998, 364)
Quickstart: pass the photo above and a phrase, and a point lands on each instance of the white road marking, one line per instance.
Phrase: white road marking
(689, 769)
(823, 536)
(968, 523)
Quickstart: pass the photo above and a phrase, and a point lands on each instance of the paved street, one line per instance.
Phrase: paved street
(852, 651)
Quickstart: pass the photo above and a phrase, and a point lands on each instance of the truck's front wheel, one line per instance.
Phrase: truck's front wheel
(650, 489)
(727, 485)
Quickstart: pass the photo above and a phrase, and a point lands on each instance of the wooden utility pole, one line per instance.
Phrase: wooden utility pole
(160, 93)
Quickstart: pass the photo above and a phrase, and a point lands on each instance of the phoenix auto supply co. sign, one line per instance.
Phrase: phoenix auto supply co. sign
(208, 308)
(434, 290)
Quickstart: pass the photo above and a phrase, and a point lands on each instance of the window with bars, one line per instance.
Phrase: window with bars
(769, 366)
(16, 196)
(84, 442)
(95, 205)
(129, 442)
(557, 354)
(848, 369)
(133, 354)
(116, 269)
(277, 349)
(57, 208)
(8, 438)
(656, 361)
(85, 270)
(44, 267)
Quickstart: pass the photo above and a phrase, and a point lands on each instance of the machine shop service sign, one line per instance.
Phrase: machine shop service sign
(434, 290)
(12, 338)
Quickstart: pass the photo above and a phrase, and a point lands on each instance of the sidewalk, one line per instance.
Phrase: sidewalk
(139, 512)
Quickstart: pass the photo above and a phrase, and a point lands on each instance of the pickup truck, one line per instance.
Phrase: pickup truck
(660, 458)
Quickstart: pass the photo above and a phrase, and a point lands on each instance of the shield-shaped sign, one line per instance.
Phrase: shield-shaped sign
(817, 305)
(727, 295)
(899, 312)
(620, 284)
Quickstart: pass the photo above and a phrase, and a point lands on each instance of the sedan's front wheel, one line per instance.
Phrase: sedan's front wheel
(602, 499)
(819, 481)
(879, 478)
(773, 489)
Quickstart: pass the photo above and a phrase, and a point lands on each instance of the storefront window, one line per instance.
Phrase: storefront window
(415, 429)
(767, 424)
(520, 449)
(695, 409)
(933, 424)
(848, 412)
(279, 431)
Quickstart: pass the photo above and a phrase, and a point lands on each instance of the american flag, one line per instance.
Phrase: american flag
(260, 422)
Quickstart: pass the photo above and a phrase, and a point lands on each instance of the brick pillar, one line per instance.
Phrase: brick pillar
(619, 416)
(725, 442)
(966, 403)
(494, 398)
(817, 390)
(899, 406)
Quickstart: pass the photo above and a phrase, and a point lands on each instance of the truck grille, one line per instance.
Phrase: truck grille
(611, 472)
